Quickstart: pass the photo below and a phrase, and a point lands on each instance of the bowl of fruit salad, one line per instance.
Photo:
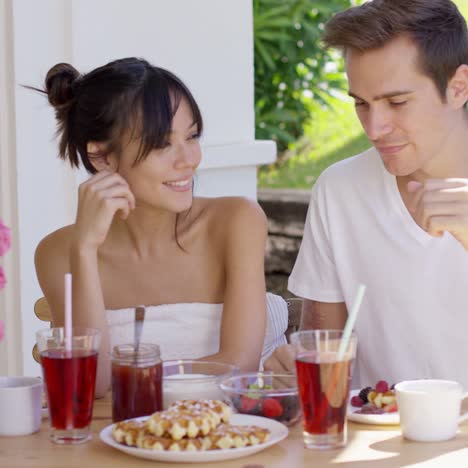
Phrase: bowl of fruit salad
(267, 394)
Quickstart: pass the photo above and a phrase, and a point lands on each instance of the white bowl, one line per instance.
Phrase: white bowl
(187, 379)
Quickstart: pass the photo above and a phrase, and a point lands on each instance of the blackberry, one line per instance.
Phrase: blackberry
(290, 407)
(363, 394)
(256, 411)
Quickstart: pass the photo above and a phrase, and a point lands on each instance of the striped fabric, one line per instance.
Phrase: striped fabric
(277, 323)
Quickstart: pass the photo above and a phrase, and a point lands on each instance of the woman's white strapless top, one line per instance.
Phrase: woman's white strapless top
(192, 330)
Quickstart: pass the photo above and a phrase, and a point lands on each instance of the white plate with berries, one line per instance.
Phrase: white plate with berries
(374, 405)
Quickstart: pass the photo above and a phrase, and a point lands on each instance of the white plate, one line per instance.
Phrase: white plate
(278, 433)
(387, 419)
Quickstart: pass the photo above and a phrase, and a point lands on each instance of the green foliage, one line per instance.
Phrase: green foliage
(291, 69)
(334, 134)
(462, 6)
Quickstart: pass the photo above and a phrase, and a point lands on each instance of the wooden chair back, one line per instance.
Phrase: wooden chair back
(42, 311)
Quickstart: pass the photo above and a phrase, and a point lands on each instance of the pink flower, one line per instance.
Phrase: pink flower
(2, 330)
(2, 278)
(5, 239)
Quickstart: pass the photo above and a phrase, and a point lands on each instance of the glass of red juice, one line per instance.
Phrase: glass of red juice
(324, 370)
(69, 371)
(136, 381)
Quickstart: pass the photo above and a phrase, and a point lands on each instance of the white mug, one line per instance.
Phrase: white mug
(429, 409)
(20, 405)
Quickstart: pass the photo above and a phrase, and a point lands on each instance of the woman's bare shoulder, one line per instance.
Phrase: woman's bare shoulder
(228, 219)
(232, 209)
(53, 250)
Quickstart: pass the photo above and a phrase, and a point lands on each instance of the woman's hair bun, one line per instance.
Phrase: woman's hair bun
(59, 84)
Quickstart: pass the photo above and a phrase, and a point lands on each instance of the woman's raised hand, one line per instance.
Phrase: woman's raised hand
(99, 199)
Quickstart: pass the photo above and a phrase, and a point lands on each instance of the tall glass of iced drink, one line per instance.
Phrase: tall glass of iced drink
(324, 376)
(69, 371)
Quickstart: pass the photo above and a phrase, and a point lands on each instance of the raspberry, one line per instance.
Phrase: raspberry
(363, 394)
(381, 386)
(272, 408)
(356, 401)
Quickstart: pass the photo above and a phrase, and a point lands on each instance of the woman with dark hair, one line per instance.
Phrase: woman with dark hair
(140, 236)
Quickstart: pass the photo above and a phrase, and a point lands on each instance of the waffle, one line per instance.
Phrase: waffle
(189, 425)
(224, 436)
(152, 442)
(227, 436)
(179, 422)
(220, 408)
(128, 432)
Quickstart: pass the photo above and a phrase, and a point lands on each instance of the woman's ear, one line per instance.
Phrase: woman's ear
(100, 158)
(457, 88)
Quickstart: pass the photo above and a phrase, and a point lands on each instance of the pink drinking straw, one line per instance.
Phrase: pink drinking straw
(68, 313)
(68, 338)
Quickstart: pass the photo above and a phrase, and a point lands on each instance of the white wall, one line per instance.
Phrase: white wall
(208, 43)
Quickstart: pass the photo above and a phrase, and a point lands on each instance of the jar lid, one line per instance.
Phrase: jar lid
(128, 354)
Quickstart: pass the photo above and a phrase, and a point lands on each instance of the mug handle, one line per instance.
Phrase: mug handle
(464, 416)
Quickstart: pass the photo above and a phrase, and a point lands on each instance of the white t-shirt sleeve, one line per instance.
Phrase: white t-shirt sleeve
(314, 275)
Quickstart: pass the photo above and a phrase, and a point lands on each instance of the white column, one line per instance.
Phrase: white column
(10, 347)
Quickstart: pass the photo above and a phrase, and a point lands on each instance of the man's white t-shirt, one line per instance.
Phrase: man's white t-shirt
(413, 321)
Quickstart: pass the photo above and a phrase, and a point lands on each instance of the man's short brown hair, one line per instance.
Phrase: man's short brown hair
(436, 26)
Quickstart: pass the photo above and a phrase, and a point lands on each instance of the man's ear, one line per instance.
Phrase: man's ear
(100, 158)
(457, 87)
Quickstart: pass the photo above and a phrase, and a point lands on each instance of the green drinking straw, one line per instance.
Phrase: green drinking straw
(350, 322)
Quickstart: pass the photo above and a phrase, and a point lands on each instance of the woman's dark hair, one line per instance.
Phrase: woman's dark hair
(436, 26)
(103, 105)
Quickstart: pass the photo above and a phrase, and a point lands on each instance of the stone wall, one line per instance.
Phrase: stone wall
(286, 210)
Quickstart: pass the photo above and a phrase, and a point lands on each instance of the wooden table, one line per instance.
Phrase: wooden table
(368, 447)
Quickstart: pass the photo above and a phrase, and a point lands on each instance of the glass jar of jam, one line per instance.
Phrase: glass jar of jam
(136, 381)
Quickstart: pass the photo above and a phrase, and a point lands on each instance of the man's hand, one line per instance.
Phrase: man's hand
(282, 360)
(441, 205)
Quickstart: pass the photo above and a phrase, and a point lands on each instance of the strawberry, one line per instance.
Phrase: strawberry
(271, 408)
(391, 408)
(247, 404)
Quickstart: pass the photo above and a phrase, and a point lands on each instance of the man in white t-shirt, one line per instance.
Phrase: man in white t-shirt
(396, 216)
